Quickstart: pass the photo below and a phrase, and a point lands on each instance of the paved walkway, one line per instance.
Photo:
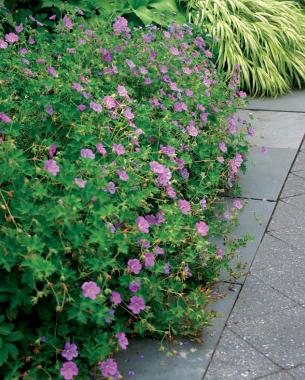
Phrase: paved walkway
(264, 337)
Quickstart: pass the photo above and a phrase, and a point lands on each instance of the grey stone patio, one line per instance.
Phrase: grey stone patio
(264, 336)
(260, 329)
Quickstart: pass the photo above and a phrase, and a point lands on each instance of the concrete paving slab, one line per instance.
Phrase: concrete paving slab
(293, 236)
(287, 278)
(282, 375)
(276, 129)
(191, 360)
(274, 252)
(280, 336)
(236, 359)
(297, 201)
(286, 216)
(257, 299)
(299, 164)
(294, 185)
(253, 220)
(266, 173)
(295, 101)
(300, 173)
(298, 372)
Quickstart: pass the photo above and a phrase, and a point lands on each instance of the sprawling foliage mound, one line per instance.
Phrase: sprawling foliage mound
(115, 147)
(266, 37)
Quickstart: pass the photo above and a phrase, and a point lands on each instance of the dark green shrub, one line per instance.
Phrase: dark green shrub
(115, 147)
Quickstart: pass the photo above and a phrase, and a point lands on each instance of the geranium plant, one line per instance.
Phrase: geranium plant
(115, 148)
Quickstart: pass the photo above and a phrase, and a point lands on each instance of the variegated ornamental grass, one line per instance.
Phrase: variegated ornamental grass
(266, 37)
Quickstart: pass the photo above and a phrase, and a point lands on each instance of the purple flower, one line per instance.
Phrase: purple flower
(174, 51)
(142, 224)
(69, 370)
(96, 107)
(90, 289)
(32, 41)
(122, 91)
(120, 25)
(52, 18)
(180, 106)
(118, 149)
(122, 340)
(3, 44)
(167, 268)
(184, 206)
(11, 38)
(136, 304)
(51, 167)
(223, 147)
(171, 192)
(116, 298)
(80, 182)
(203, 203)
(220, 159)
(264, 149)
(219, 252)
(192, 131)
(52, 150)
(82, 107)
(70, 351)
(68, 22)
(134, 266)
(52, 71)
(100, 148)
(238, 204)
(159, 250)
(109, 368)
(149, 260)
(134, 286)
(4, 118)
(77, 87)
(109, 102)
(111, 188)
(128, 114)
(157, 168)
(49, 109)
(202, 228)
(19, 28)
(168, 150)
(250, 131)
(87, 153)
(122, 175)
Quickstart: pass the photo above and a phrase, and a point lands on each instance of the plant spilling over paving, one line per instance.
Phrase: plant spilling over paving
(115, 147)
(266, 37)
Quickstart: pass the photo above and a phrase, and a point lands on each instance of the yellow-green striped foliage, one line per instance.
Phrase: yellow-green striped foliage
(266, 37)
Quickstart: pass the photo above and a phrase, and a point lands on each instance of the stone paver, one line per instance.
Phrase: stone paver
(298, 372)
(286, 216)
(294, 101)
(269, 313)
(299, 164)
(236, 359)
(266, 173)
(271, 128)
(280, 336)
(274, 252)
(282, 375)
(294, 185)
(257, 299)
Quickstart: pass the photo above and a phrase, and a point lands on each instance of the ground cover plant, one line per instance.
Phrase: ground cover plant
(266, 37)
(115, 147)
